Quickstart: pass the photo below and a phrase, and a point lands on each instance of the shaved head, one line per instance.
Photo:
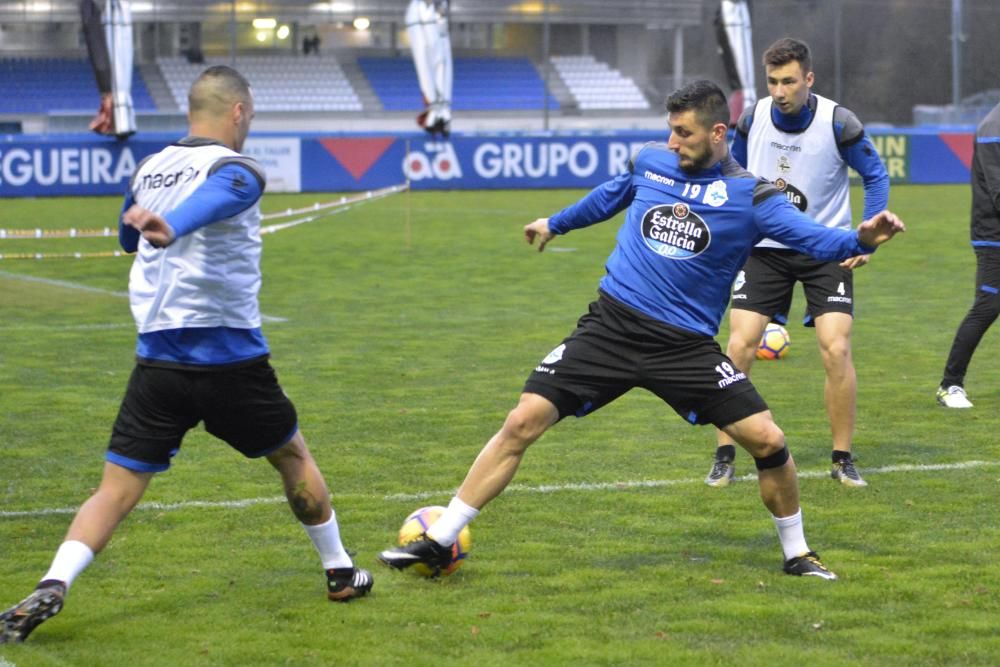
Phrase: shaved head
(220, 106)
(217, 90)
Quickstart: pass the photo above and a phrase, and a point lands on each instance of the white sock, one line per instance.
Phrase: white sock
(456, 517)
(71, 559)
(793, 539)
(326, 537)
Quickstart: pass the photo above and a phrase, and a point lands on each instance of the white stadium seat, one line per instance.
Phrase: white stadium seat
(280, 83)
(594, 85)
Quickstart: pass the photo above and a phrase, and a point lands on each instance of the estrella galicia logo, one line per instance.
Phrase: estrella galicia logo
(794, 196)
(675, 231)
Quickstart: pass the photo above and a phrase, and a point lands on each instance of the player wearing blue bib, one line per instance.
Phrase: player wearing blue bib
(692, 215)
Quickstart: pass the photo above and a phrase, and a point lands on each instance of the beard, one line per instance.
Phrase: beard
(697, 162)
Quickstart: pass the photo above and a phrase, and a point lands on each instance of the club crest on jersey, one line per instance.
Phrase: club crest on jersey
(741, 280)
(715, 194)
(794, 196)
(675, 231)
(784, 166)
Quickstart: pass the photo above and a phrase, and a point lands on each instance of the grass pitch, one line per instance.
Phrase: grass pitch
(410, 325)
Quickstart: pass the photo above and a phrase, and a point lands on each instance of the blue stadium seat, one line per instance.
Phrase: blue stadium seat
(43, 85)
(480, 84)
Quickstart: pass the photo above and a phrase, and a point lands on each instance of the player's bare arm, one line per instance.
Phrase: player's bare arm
(154, 228)
(880, 228)
(538, 229)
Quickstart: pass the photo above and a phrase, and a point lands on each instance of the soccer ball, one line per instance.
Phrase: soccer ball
(774, 343)
(417, 523)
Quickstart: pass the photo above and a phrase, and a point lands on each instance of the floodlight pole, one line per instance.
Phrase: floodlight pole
(232, 34)
(956, 51)
(545, 65)
(838, 73)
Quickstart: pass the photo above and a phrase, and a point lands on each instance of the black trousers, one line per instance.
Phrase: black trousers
(983, 313)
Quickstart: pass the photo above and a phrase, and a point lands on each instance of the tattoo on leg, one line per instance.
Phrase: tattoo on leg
(306, 507)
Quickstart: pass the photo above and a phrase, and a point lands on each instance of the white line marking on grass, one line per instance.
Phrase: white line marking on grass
(513, 488)
(656, 483)
(67, 327)
(51, 282)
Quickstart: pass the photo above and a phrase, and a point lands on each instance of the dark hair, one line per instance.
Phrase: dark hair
(788, 50)
(705, 98)
(219, 84)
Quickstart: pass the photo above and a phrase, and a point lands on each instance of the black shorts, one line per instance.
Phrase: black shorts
(615, 348)
(243, 406)
(766, 283)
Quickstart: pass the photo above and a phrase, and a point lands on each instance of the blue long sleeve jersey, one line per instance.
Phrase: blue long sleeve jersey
(230, 190)
(855, 148)
(686, 235)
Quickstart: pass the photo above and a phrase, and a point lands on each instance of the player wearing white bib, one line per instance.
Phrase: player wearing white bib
(192, 213)
(804, 144)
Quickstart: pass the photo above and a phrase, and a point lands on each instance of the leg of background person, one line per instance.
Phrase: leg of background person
(833, 331)
(970, 332)
(745, 329)
(978, 320)
(309, 499)
(496, 465)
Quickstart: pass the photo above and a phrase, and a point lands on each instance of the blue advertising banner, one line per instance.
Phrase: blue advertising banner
(36, 166)
(473, 163)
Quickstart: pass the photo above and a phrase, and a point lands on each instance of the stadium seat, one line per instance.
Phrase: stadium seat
(44, 85)
(280, 83)
(594, 85)
(480, 84)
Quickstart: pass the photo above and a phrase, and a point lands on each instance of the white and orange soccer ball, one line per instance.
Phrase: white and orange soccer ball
(775, 343)
(417, 523)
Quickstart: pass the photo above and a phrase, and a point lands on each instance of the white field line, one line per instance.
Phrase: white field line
(65, 284)
(67, 327)
(513, 488)
(51, 282)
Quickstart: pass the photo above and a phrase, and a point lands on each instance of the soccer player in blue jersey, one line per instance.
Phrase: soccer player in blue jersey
(192, 213)
(803, 143)
(985, 232)
(692, 216)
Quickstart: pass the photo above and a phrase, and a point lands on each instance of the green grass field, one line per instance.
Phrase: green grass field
(411, 323)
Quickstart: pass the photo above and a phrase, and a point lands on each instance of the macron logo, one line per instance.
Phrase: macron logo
(657, 178)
